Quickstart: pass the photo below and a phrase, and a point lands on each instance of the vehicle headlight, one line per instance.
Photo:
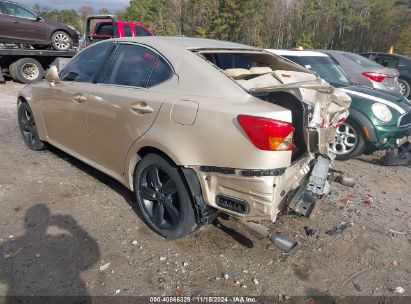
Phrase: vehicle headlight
(382, 112)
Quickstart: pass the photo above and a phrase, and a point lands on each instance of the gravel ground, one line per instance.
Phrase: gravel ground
(67, 229)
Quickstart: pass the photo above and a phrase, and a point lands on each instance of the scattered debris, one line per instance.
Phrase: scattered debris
(161, 280)
(134, 242)
(237, 283)
(255, 281)
(397, 232)
(368, 201)
(395, 263)
(105, 267)
(162, 258)
(399, 290)
(357, 287)
(37, 255)
(337, 229)
(225, 276)
(179, 292)
(7, 256)
(243, 286)
(309, 231)
(17, 252)
(347, 199)
(117, 291)
(185, 264)
(17, 209)
(245, 271)
(11, 236)
(351, 277)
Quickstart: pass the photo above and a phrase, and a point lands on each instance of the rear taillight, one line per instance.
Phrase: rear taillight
(268, 134)
(377, 77)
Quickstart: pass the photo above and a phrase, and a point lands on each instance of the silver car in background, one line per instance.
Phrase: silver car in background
(364, 71)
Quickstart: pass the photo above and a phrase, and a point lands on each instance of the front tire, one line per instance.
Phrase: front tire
(28, 128)
(349, 141)
(163, 198)
(61, 41)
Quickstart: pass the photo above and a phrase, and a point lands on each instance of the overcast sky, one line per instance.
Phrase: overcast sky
(112, 5)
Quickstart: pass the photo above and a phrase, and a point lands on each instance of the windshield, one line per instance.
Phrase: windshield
(323, 66)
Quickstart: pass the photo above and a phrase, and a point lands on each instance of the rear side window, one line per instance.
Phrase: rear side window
(84, 66)
(161, 72)
(2, 9)
(105, 29)
(127, 31)
(387, 61)
(141, 31)
(362, 61)
(137, 66)
(131, 66)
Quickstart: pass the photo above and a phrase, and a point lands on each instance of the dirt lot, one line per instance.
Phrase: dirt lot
(61, 220)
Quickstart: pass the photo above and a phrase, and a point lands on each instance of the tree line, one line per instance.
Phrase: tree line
(351, 25)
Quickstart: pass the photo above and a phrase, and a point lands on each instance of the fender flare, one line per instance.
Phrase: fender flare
(364, 122)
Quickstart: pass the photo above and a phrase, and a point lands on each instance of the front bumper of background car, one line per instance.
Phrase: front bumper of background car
(391, 137)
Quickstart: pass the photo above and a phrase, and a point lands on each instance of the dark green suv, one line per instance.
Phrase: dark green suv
(378, 120)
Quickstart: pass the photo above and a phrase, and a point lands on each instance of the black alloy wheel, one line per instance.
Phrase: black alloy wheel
(28, 129)
(163, 198)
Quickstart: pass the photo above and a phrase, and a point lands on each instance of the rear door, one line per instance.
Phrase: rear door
(22, 25)
(125, 102)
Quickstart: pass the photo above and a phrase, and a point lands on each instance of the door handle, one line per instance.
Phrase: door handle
(80, 98)
(141, 107)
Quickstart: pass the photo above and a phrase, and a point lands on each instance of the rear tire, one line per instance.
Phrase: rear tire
(349, 141)
(26, 70)
(28, 128)
(163, 197)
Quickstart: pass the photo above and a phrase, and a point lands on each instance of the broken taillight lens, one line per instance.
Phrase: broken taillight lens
(268, 134)
(377, 77)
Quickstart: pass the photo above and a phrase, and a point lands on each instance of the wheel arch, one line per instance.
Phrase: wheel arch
(137, 152)
(363, 122)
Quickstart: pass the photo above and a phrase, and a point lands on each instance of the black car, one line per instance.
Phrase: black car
(20, 25)
(400, 62)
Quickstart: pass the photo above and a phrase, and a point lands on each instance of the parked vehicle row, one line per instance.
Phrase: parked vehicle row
(378, 120)
(394, 61)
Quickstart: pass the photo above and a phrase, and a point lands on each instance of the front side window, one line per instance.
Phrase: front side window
(106, 29)
(84, 66)
(132, 65)
(19, 11)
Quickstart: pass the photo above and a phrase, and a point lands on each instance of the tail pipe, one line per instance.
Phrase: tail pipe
(281, 241)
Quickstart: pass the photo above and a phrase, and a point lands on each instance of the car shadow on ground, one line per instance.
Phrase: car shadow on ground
(48, 258)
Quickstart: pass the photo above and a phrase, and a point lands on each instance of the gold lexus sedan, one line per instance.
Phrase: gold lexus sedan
(194, 127)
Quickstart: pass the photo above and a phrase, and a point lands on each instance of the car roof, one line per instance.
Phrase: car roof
(297, 53)
(188, 43)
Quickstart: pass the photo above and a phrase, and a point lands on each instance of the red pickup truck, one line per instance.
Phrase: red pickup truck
(105, 27)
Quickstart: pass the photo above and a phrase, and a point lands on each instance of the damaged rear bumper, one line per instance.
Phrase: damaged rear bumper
(261, 194)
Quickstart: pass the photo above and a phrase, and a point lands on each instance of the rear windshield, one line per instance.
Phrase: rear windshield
(362, 61)
(324, 66)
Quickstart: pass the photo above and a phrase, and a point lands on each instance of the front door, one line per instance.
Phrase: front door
(64, 103)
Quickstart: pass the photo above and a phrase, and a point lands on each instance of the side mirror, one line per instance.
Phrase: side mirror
(52, 74)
